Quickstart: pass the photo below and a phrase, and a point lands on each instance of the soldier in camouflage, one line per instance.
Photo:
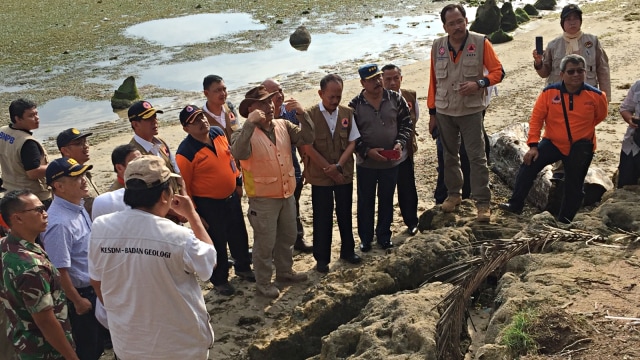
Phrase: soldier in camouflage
(31, 293)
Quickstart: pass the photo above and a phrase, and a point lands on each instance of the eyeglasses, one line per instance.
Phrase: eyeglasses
(572, 72)
(82, 143)
(40, 209)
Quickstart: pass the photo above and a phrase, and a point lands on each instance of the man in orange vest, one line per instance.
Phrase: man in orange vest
(263, 146)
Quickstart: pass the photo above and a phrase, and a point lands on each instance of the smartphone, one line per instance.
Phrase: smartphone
(539, 46)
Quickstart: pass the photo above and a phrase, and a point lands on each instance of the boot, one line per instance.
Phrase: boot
(268, 290)
(450, 203)
(484, 213)
(291, 277)
(301, 246)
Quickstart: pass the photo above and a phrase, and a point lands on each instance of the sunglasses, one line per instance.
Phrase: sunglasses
(573, 71)
(40, 209)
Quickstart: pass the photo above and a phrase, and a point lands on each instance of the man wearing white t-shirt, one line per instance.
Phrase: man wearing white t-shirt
(112, 201)
(143, 268)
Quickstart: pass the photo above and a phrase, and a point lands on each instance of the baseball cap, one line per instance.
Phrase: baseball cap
(150, 169)
(368, 71)
(67, 136)
(64, 167)
(568, 9)
(142, 110)
(258, 93)
(188, 114)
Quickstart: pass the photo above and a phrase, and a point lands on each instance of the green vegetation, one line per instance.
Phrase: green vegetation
(517, 337)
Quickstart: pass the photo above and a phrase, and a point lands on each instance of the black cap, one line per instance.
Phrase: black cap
(568, 10)
(188, 114)
(142, 110)
(67, 136)
(65, 167)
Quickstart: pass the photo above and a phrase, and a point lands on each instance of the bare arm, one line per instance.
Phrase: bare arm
(37, 173)
(81, 304)
(53, 333)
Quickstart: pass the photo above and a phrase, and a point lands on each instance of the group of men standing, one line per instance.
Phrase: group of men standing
(139, 269)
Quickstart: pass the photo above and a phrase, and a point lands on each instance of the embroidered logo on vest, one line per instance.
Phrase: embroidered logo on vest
(345, 123)
(588, 44)
(556, 100)
(441, 51)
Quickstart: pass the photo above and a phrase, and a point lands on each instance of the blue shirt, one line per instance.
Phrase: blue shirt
(291, 117)
(66, 239)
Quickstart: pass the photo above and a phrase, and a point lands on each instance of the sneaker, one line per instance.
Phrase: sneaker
(449, 205)
(291, 276)
(484, 213)
(268, 290)
(224, 289)
(246, 275)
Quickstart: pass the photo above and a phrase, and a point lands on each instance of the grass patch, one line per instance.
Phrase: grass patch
(517, 336)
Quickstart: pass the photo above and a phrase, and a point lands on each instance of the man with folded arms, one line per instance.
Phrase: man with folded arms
(385, 129)
(34, 300)
(145, 269)
(66, 241)
(214, 183)
(263, 146)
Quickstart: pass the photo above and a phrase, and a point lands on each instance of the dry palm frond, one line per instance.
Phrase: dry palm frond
(469, 274)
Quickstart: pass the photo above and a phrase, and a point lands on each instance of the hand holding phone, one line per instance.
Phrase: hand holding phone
(391, 154)
(539, 45)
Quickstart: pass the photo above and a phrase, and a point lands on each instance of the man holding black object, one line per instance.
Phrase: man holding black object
(569, 112)
(383, 119)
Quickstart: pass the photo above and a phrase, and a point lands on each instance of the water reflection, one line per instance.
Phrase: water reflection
(65, 112)
(193, 29)
(345, 43)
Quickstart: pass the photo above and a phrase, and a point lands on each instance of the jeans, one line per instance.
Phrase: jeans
(322, 200)
(370, 180)
(576, 167)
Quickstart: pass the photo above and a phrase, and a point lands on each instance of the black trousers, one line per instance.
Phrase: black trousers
(407, 193)
(226, 226)
(322, 200)
(87, 332)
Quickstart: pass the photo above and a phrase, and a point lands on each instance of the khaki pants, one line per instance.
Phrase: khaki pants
(470, 128)
(274, 233)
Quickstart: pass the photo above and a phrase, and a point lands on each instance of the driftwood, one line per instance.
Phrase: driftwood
(508, 147)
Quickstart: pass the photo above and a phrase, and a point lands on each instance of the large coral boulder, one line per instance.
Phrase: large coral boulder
(488, 18)
(300, 39)
(509, 20)
(545, 4)
(126, 94)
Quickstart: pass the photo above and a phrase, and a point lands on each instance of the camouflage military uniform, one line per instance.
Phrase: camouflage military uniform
(32, 284)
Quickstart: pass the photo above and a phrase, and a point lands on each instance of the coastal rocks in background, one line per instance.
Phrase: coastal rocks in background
(509, 20)
(522, 16)
(488, 18)
(499, 37)
(545, 4)
(531, 10)
(125, 95)
(300, 39)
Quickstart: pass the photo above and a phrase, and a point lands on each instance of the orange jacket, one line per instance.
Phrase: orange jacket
(585, 109)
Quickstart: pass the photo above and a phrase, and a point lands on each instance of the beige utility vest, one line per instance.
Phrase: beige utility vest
(410, 97)
(449, 75)
(269, 172)
(230, 119)
(164, 152)
(330, 147)
(587, 49)
(14, 176)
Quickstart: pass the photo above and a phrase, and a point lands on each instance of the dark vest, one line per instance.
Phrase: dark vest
(331, 148)
(230, 119)
(411, 98)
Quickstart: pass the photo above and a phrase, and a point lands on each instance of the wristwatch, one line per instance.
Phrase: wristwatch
(481, 83)
(339, 167)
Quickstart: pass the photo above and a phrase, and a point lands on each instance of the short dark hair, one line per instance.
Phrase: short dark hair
(329, 78)
(573, 59)
(120, 153)
(451, 7)
(144, 198)
(210, 79)
(19, 106)
(391, 67)
(11, 203)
